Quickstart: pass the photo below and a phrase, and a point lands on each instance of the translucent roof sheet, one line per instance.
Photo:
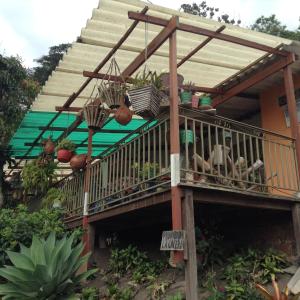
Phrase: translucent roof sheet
(33, 122)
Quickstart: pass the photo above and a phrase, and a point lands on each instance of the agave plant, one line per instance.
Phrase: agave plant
(45, 270)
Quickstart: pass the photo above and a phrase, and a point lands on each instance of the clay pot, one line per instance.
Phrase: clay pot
(123, 115)
(78, 161)
(49, 146)
(64, 156)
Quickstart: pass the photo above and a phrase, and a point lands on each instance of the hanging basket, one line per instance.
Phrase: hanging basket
(112, 91)
(95, 115)
(146, 101)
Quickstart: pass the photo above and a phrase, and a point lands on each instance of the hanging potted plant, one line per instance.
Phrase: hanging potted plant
(123, 115)
(49, 146)
(145, 94)
(65, 150)
(187, 93)
(37, 177)
(78, 161)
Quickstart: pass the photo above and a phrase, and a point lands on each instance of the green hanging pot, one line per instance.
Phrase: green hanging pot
(187, 136)
(206, 100)
(186, 97)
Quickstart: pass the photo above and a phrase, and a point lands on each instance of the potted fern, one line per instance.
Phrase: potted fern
(65, 150)
(38, 175)
(145, 94)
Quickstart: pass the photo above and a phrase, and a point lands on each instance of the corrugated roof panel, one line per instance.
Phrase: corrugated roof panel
(212, 65)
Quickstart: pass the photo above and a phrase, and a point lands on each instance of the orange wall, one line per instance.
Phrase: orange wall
(272, 115)
(273, 119)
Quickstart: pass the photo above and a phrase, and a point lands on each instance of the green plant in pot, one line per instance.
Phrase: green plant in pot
(205, 101)
(38, 175)
(186, 136)
(187, 93)
(47, 270)
(65, 150)
(146, 93)
(55, 198)
(148, 171)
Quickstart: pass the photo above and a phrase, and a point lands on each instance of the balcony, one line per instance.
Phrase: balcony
(216, 153)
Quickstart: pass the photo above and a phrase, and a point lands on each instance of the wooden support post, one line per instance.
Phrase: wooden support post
(85, 220)
(296, 225)
(174, 144)
(191, 278)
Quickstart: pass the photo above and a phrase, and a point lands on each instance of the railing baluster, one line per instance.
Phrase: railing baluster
(246, 155)
(166, 145)
(209, 150)
(186, 152)
(239, 156)
(258, 158)
(194, 146)
(283, 167)
(154, 154)
(202, 147)
(149, 153)
(276, 159)
(159, 149)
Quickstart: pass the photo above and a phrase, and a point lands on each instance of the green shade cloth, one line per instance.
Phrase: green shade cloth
(29, 130)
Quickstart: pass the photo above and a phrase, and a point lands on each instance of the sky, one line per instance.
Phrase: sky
(29, 27)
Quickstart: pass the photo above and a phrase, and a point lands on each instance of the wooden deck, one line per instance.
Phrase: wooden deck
(201, 195)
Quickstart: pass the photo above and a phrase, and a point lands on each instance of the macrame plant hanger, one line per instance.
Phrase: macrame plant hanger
(112, 91)
(95, 112)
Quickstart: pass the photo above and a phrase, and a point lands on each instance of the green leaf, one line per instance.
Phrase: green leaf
(20, 260)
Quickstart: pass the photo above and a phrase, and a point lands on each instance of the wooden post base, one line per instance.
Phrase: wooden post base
(296, 225)
(191, 278)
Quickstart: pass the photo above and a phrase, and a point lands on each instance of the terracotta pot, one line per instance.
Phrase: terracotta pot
(78, 161)
(123, 115)
(64, 156)
(49, 146)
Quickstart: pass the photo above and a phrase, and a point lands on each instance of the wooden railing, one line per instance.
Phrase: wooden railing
(221, 152)
(215, 152)
(73, 190)
(138, 166)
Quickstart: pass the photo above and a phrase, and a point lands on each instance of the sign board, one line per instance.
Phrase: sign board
(172, 240)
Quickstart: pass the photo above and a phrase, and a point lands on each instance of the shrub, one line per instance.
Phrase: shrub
(19, 225)
(54, 198)
(90, 293)
(46, 270)
(135, 261)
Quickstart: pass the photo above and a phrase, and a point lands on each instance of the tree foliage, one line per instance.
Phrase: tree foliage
(16, 95)
(48, 62)
(17, 91)
(272, 25)
(202, 9)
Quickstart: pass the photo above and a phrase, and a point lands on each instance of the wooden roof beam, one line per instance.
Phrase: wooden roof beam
(259, 76)
(197, 30)
(170, 27)
(129, 79)
(86, 130)
(77, 145)
(205, 42)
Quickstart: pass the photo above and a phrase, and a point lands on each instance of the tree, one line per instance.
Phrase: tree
(16, 95)
(272, 25)
(47, 63)
(210, 12)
